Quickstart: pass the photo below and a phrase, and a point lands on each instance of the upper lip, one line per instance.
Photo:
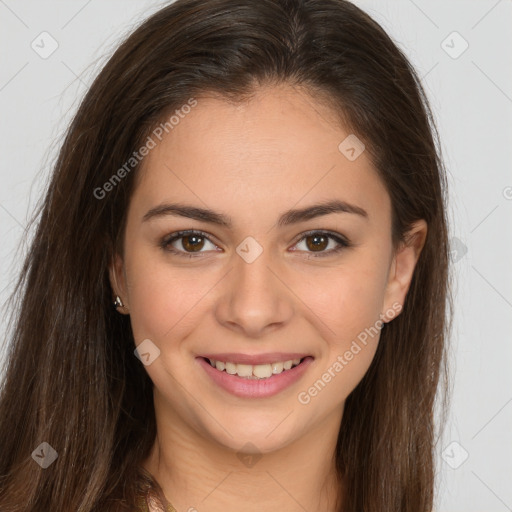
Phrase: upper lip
(269, 358)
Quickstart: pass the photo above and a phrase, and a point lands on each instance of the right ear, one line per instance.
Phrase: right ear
(117, 278)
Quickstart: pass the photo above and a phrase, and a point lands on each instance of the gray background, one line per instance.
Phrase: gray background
(471, 95)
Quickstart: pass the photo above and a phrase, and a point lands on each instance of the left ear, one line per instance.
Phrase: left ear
(402, 268)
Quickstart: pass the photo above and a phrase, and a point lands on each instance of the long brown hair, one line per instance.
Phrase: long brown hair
(72, 379)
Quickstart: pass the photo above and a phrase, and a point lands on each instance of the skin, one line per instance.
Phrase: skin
(252, 162)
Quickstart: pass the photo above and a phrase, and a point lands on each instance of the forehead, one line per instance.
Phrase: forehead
(279, 147)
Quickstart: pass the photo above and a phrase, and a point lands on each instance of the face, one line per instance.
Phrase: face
(252, 283)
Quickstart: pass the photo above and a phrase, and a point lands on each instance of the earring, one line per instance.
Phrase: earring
(118, 303)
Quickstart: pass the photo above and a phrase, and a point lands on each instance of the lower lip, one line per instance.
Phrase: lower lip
(256, 388)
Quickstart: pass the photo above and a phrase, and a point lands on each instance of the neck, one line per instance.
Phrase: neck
(196, 472)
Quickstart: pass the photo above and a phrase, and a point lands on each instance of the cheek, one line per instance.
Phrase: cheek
(348, 298)
(347, 303)
(162, 300)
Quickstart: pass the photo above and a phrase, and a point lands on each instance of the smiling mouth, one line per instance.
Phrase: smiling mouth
(258, 371)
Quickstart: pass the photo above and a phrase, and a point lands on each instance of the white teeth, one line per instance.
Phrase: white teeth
(244, 370)
(258, 371)
(263, 371)
(230, 368)
(277, 368)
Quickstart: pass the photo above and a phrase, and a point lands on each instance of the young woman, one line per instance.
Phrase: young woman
(236, 296)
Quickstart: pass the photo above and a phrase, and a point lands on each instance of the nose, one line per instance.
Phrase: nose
(256, 299)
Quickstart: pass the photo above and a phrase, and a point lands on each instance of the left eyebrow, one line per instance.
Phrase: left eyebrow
(318, 210)
(287, 218)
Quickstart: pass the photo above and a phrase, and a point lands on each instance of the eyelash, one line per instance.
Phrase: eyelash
(342, 242)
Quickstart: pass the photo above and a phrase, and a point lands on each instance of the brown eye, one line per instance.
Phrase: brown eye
(317, 242)
(192, 243)
(187, 243)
